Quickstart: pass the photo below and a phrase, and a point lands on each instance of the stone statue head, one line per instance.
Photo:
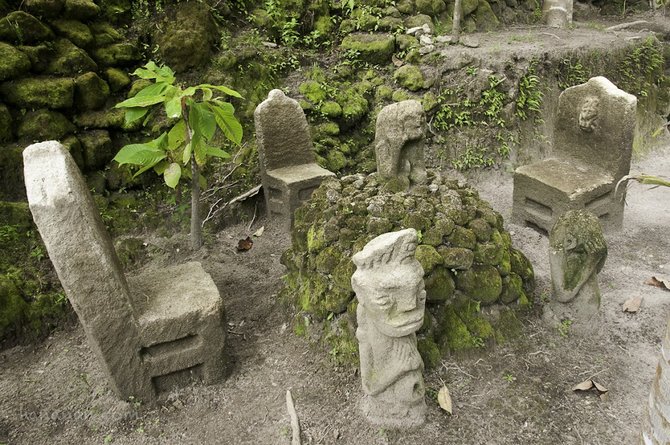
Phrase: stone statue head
(578, 251)
(588, 114)
(389, 283)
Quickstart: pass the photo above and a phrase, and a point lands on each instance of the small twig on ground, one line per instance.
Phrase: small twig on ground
(621, 26)
(213, 211)
(538, 352)
(550, 34)
(295, 423)
(450, 366)
(253, 218)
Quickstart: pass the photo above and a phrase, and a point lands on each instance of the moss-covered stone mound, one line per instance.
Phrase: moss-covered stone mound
(474, 277)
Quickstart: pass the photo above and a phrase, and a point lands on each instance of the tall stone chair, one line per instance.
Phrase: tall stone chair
(151, 332)
(289, 171)
(593, 142)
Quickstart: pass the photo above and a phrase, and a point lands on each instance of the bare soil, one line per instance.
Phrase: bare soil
(517, 393)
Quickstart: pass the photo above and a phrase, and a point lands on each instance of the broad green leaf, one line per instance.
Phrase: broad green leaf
(161, 166)
(202, 121)
(139, 154)
(152, 71)
(154, 89)
(133, 114)
(200, 151)
(190, 91)
(223, 89)
(172, 175)
(173, 107)
(186, 155)
(225, 106)
(217, 152)
(176, 135)
(141, 101)
(228, 123)
(202, 181)
(207, 94)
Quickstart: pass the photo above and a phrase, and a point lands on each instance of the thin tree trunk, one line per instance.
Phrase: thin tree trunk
(456, 28)
(196, 226)
(656, 416)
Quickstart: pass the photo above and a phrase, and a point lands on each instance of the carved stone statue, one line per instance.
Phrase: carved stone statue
(399, 145)
(588, 114)
(577, 253)
(391, 301)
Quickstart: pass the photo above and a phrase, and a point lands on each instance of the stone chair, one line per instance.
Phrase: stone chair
(592, 147)
(151, 332)
(289, 171)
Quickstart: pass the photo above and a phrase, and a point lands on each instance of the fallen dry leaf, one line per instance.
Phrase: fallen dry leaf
(632, 305)
(444, 399)
(584, 386)
(657, 283)
(397, 62)
(245, 244)
(599, 387)
(259, 232)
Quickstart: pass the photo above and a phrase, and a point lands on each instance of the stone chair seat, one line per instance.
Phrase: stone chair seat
(548, 188)
(180, 314)
(293, 185)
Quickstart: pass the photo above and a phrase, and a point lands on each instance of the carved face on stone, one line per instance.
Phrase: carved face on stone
(589, 114)
(578, 251)
(413, 125)
(389, 283)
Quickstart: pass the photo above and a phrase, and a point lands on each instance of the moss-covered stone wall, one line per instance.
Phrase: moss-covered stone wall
(467, 257)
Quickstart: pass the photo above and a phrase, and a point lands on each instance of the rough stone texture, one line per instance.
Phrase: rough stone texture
(70, 59)
(188, 38)
(577, 252)
(91, 92)
(96, 148)
(81, 9)
(344, 215)
(288, 169)
(39, 92)
(12, 62)
(171, 330)
(75, 31)
(118, 54)
(372, 48)
(6, 122)
(117, 79)
(593, 142)
(21, 27)
(557, 13)
(44, 125)
(399, 145)
(391, 302)
(44, 8)
(656, 416)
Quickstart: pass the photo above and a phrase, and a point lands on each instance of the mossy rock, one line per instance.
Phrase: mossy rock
(39, 56)
(482, 283)
(16, 214)
(116, 79)
(105, 34)
(512, 288)
(75, 31)
(455, 336)
(440, 285)
(81, 9)
(11, 172)
(313, 91)
(44, 8)
(118, 54)
(335, 160)
(467, 7)
(521, 266)
(462, 237)
(188, 38)
(457, 258)
(13, 307)
(44, 125)
(430, 352)
(13, 62)
(39, 92)
(372, 48)
(420, 20)
(407, 7)
(97, 149)
(91, 92)
(331, 109)
(354, 106)
(6, 124)
(410, 77)
(399, 95)
(485, 18)
(69, 59)
(111, 118)
(428, 257)
(23, 28)
(431, 7)
(383, 93)
(489, 253)
(72, 144)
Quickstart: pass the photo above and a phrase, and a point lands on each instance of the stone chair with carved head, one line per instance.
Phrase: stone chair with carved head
(592, 148)
(289, 171)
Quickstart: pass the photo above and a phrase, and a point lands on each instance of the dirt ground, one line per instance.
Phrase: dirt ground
(518, 393)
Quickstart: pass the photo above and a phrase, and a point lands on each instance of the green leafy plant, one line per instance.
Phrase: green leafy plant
(529, 99)
(564, 327)
(183, 150)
